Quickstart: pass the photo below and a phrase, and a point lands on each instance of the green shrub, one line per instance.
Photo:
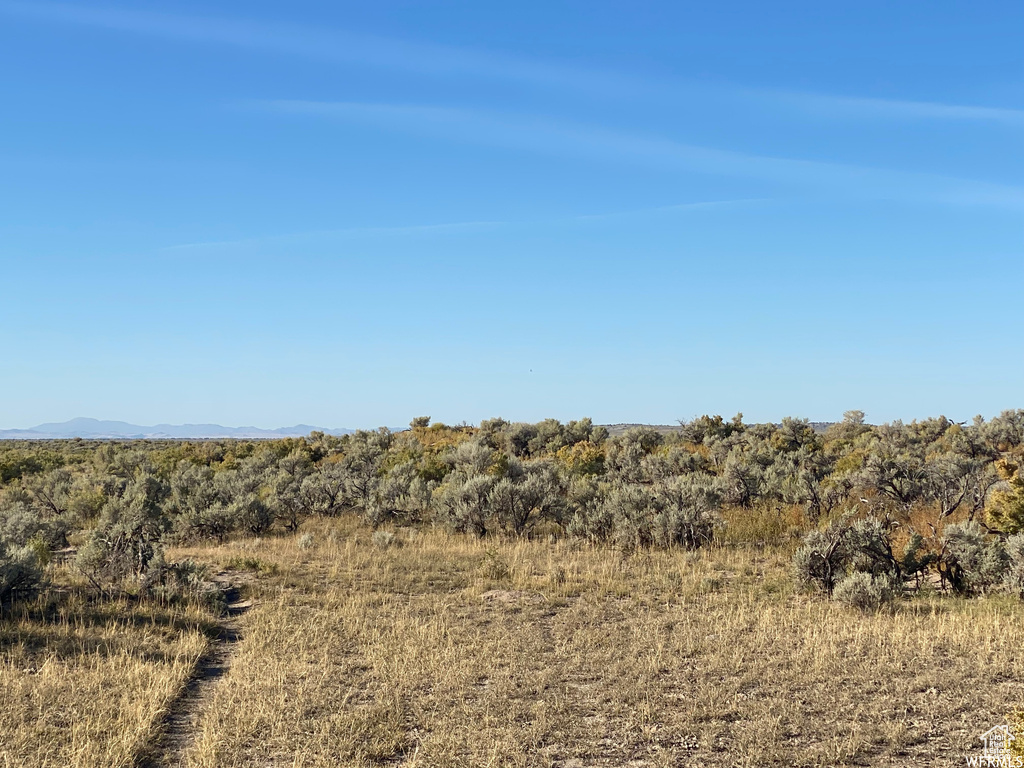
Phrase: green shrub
(865, 546)
(824, 557)
(463, 501)
(971, 561)
(20, 525)
(495, 567)
(185, 581)
(591, 518)
(127, 538)
(1005, 508)
(251, 563)
(689, 513)
(865, 591)
(20, 572)
(1014, 578)
(215, 522)
(633, 509)
(528, 494)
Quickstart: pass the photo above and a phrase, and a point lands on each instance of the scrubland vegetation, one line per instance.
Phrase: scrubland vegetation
(515, 594)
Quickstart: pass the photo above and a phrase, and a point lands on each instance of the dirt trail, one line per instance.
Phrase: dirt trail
(179, 725)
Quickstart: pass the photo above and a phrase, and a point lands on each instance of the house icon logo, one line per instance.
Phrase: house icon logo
(998, 749)
(998, 741)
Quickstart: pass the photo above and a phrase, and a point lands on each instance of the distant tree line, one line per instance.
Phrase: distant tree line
(927, 486)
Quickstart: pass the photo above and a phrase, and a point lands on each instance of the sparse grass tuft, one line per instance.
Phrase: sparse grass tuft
(385, 539)
(251, 563)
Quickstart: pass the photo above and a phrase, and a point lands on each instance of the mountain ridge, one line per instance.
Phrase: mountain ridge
(97, 429)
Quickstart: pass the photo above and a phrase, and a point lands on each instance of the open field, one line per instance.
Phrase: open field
(84, 682)
(440, 650)
(451, 652)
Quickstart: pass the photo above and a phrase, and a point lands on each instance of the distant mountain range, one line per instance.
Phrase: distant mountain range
(93, 429)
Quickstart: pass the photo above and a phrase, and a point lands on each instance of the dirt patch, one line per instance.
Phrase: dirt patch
(512, 597)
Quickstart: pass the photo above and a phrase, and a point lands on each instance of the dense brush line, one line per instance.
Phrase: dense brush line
(121, 502)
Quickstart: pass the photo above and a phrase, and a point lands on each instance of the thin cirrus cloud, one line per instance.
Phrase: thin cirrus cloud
(702, 205)
(449, 227)
(336, 46)
(341, 47)
(290, 237)
(845, 107)
(603, 145)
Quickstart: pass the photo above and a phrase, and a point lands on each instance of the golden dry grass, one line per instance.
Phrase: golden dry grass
(85, 683)
(448, 651)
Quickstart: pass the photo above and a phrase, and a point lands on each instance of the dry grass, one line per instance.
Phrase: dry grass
(447, 651)
(437, 650)
(85, 682)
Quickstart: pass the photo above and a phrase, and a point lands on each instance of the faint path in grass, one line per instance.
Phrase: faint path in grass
(178, 727)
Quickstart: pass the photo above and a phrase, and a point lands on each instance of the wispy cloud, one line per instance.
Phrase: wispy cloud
(326, 45)
(604, 145)
(449, 227)
(704, 205)
(316, 234)
(845, 107)
(420, 59)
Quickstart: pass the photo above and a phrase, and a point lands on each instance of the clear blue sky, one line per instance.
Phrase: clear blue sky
(350, 214)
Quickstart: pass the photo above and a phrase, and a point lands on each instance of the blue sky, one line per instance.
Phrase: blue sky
(350, 214)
